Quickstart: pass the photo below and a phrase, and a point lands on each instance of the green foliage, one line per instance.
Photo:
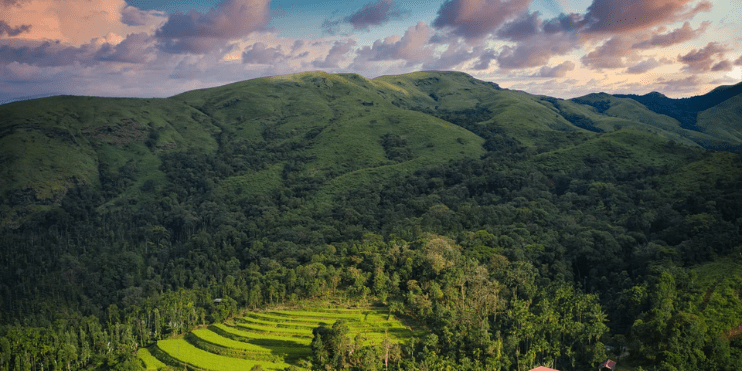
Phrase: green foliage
(504, 234)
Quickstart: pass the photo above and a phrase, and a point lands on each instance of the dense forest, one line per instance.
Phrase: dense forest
(559, 255)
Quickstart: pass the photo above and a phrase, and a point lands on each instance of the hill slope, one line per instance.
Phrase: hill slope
(339, 131)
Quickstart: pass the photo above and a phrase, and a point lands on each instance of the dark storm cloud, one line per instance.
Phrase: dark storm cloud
(5, 29)
(474, 19)
(374, 14)
(200, 33)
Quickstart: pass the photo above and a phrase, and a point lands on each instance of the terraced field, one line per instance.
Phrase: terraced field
(274, 340)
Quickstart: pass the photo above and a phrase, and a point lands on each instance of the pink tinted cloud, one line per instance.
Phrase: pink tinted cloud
(536, 51)
(411, 47)
(559, 70)
(200, 33)
(738, 62)
(618, 16)
(75, 22)
(374, 14)
(705, 59)
(643, 66)
(474, 19)
(679, 35)
(336, 54)
(454, 55)
(610, 54)
(724, 65)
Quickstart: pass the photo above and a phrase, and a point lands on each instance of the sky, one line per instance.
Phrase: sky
(561, 48)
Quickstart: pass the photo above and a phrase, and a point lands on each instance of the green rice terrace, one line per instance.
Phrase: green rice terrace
(273, 339)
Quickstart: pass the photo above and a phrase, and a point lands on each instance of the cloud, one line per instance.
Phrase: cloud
(677, 36)
(134, 49)
(556, 71)
(411, 47)
(738, 62)
(77, 22)
(527, 25)
(329, 24)
(563, 23)
(684, 86)
(453, 56)
(133, 16)
(535, 51)
(373, 14)
(335, 55)
(259, 53)
(9, 3)
(474, 19)
(724, 65)
(200, 33)
(702, 60)
(610, 54)
(5, 29)
(643, 66)
(48, 54)
(485, 58)
(619, 16)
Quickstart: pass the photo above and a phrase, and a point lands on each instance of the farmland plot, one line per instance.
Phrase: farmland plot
(274, 340)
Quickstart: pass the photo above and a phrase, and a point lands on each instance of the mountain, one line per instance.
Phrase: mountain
(345, 128)
(514, 230)
(702, 113)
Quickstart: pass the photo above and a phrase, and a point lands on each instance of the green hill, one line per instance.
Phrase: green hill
(512, 230)
(338, 131)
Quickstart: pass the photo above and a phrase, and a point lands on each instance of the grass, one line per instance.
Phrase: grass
(187, 353)
(622, 150)
(150, 362)
(274, 339)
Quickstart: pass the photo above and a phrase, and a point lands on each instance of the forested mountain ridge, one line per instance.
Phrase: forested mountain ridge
(496, 217)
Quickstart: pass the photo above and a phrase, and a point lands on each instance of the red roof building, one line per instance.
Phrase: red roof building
(542, 368)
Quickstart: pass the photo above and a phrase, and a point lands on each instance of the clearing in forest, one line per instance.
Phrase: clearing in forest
(273, 339)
